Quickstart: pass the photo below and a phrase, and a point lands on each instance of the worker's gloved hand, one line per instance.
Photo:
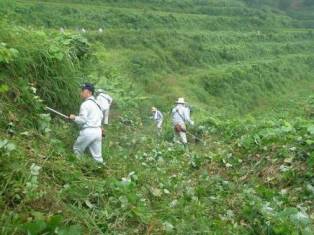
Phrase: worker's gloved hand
(192, 123)
(72, 117)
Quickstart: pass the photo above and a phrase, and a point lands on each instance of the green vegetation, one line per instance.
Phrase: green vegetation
(302, 10)
(246, 67)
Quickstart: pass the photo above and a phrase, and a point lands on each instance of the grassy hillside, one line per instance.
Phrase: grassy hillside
(246, 70)
(300, 10)
(193, 47)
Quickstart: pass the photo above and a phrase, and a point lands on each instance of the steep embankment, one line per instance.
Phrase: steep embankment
(249, 175)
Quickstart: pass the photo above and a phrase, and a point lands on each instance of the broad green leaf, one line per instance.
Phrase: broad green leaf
(36, 227)
(10, 147)
(310, 129)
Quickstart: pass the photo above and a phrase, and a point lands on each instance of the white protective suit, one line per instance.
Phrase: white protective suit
(90, 137)
(158, 118)
(104, 101)
(181, 116)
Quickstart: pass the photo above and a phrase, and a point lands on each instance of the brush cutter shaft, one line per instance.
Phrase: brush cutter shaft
(196, 137)
(58, 113)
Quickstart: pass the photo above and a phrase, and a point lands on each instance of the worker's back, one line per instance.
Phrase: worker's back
(179, 114)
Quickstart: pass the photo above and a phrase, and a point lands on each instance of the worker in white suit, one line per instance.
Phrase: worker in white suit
(89, 121)
(104, 100)
(180, 117)
(158, 117)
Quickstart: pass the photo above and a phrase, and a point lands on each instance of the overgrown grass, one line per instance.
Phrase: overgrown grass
(250, 174)
(52, 14)
(39, 68)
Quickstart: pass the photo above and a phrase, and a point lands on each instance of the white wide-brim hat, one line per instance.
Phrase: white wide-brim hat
(180, 101)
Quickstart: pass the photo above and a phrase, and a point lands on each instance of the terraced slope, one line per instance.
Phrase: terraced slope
(241, 174)
(303, 16)
(234, 53)
(57, 14)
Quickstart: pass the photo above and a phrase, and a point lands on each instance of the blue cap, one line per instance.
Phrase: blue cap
(88, 86)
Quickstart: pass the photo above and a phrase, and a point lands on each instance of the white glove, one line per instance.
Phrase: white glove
(192, 123)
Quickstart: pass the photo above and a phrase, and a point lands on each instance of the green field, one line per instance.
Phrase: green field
(247, 69)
